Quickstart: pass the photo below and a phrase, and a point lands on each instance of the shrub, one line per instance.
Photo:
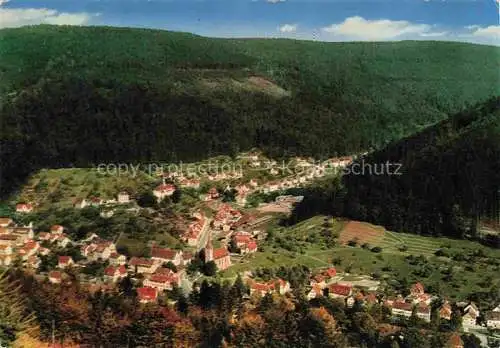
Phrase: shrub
(352, 243)
(441, 252)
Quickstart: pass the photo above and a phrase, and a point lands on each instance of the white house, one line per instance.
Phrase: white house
(162, 191)
(493, 320)
(123, 197)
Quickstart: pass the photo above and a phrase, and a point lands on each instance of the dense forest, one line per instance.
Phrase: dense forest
(79, 96)
(447, 183)
(214, 315)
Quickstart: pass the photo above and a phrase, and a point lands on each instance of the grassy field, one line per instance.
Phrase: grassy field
(450, 276)
(60, 187)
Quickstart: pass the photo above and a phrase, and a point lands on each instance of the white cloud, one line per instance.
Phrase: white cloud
(472, 27)
(493, 31)
(3, 2)
(18, 17)
(275, 1)
(382, 29)
(288, 28)
(435, 34)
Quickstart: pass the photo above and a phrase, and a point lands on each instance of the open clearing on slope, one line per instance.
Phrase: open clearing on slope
(361, 232)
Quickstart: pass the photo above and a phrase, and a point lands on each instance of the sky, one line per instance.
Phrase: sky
(323, 20)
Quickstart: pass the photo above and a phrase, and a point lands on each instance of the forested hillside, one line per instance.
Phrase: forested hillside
(449, 182)
(78, 96)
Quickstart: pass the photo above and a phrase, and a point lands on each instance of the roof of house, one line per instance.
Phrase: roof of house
(8, 237)
(455, 341)
(261, 286)
(252, 245)
(163, 278)
(220, 253)
(417, 287)
(140, 261)
(331, 272)
(5, 221)
(56, 227)
(163, 253)
(147, 293)
(423, 309)
(340, 289)
(165, 188)
(109, 271)
(495, 316)
(403, 306)
(55, 274)
(64, 259)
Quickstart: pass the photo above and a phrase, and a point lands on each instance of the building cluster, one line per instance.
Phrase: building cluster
(17, 242)
(226, 217)
(122, 197)
(195, 230)
(245, 242)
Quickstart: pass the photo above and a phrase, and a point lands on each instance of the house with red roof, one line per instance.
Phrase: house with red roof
(187, 257)
(211, 194)
(64, 261)
(147, 294)
(103, 250)
(28, 249)
(166, 255)
(10, 239)
(316, 291)
(116, 259)
(44, 236)
(193, 233)
(55, 277)
(164, 190)
(62, 240)
(57, 229)
(24, 208)
(24, 233)
(401, 308)
(330, 273)
(6, 250)
(445, 311)
(6, 257)
(423, 311)
(142, 265)
(6, 222)
(339, 290)
(114, 273)
(190, 183)
(226, 217)
(33, 262)
(162, 281)
(274, 285)
(96, 201)
(417, 289)
(455, 341)
(318, 280)
(245, 242)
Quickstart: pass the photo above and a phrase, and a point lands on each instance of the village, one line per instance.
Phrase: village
(220, 239)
